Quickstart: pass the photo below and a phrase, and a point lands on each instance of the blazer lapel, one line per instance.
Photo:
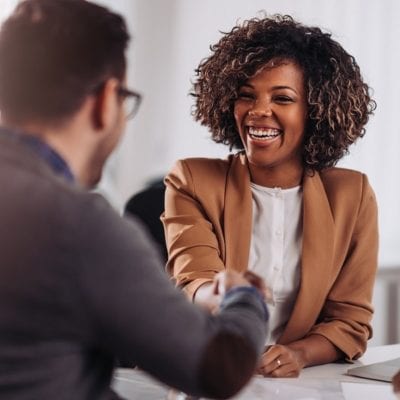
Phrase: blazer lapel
(238, 214)
(316, 261)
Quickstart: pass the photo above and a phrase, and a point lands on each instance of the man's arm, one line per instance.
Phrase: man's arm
(137, 314)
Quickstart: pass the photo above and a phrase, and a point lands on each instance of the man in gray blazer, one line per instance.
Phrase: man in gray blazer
(81, 287)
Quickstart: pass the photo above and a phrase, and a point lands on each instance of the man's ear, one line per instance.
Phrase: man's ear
(106, 107)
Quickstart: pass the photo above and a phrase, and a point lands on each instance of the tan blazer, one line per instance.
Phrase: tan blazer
(208, 227)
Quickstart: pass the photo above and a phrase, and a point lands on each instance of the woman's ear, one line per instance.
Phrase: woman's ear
(106, 104)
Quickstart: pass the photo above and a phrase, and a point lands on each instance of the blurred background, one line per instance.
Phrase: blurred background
(170, 37)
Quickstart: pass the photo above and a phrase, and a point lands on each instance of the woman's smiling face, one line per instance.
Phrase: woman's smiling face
(271, 115)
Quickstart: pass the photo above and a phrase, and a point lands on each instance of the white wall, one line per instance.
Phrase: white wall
(6, 6)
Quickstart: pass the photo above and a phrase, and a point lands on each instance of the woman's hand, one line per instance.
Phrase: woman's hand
(287, 361)
(210, 295)
(227, 280)
(281, 362)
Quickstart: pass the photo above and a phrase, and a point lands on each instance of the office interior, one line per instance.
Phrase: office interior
(170, 37)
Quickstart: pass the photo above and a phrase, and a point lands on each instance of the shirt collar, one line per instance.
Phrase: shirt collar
(44, 151)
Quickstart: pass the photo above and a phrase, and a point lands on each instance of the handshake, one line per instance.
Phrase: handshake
(210, 295)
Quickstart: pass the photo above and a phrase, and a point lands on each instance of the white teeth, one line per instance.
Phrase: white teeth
(263, 133)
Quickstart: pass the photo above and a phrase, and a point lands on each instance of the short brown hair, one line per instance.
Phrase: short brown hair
(53, 53)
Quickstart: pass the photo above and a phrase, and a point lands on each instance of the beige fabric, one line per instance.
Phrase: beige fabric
(207, 222)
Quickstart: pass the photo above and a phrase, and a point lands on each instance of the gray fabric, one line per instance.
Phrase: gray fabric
(80, 287)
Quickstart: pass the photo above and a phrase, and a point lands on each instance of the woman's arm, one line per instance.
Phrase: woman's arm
(288, 361)
(194, 253)
(345, 319)
(343, 325)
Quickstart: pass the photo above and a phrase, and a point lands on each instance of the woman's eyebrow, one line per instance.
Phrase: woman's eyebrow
(279, 87)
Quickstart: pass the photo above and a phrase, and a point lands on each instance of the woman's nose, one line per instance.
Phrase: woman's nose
(260, 110)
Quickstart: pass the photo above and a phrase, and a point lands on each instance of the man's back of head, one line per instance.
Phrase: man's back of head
(53, 54)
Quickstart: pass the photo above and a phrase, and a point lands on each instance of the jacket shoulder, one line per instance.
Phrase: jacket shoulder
(341, 176)
(202, 178)
(344, 182)
(204, 171)
(208, 165)
(339, 172)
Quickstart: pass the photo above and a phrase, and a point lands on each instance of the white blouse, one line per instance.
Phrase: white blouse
(275, 249)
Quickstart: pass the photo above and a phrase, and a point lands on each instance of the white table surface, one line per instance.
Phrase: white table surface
(324, 382)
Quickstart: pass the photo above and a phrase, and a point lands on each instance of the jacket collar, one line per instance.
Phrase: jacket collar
(238, 214)
(316, 259)
(317, 248)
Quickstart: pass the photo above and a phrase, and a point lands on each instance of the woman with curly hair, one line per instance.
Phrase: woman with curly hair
(292, 101)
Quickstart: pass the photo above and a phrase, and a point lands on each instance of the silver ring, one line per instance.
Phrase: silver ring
(278, 361)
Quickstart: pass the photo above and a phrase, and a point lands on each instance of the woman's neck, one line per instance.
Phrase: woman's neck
(276, 177)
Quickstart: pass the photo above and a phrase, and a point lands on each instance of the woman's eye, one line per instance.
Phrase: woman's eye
(245, 96)
(283, 99)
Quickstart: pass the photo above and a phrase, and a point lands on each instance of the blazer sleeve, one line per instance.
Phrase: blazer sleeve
(347, 313)
(193, 247)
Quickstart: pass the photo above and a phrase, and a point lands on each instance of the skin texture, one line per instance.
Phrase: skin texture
(274, 102)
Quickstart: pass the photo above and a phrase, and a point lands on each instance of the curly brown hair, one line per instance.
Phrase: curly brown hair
(339, 102)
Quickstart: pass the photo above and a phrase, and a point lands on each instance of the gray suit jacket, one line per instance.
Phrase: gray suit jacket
(80, 287)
